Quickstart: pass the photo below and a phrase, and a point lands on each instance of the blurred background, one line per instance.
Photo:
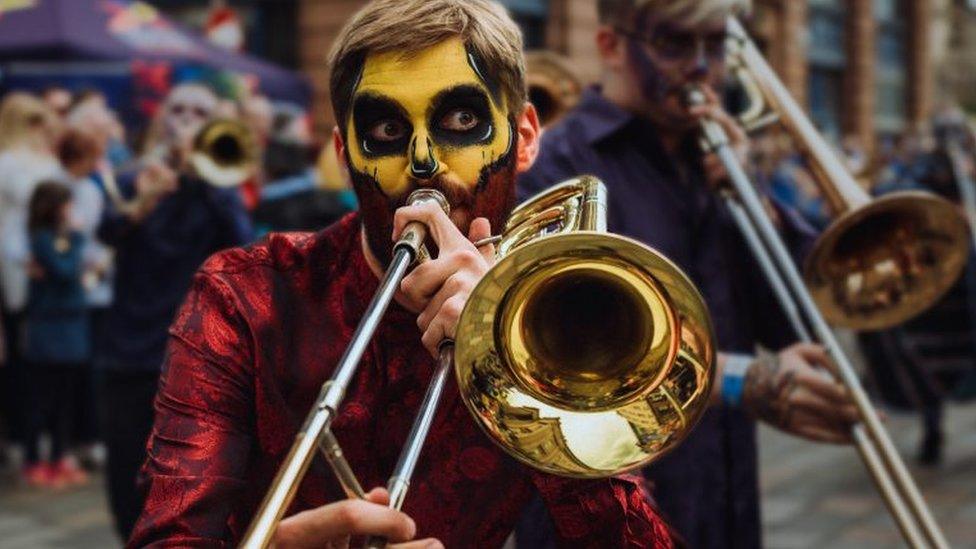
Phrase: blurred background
(887, 81)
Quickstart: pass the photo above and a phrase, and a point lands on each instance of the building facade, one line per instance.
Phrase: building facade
(860, 67)
(954, 52)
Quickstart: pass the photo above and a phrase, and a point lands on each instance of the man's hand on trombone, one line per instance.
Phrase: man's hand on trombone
(438, 289)
(715, 172)
(716, 175)
(795, 392)
(332, 526)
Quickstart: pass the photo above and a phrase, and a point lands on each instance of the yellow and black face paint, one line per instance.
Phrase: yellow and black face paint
(429, 119)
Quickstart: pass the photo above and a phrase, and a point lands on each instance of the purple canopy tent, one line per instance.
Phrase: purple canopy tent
(114, 32)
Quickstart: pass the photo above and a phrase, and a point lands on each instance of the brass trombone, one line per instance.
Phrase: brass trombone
(554, 87)
(224, 155)
(878, 264)
(580, 353)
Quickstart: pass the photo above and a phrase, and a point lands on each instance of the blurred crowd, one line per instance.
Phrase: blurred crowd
(929, 360)
(102, 229)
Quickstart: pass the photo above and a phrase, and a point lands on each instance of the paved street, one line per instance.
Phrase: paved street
(815, 497)
(819, 496)
(76, 518)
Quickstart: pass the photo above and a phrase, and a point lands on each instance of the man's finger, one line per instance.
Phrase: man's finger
(455, 284)
(429, 543)
(821, 383)
(435, 333)
(424, 281)
(810, 352)
(481, 229)
(443, 324)
(379, 496)
(351, 517)
(826, 433)
(811, 403)
(818, 428)
(440, 228)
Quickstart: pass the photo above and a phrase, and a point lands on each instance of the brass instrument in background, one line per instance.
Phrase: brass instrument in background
(879, 263)
(224, 153)
(580, 353)
(554, 87)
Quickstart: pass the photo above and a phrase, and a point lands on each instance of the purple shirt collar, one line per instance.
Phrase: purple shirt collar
(599, 117)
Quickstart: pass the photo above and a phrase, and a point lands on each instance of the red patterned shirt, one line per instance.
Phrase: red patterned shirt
(260, 331)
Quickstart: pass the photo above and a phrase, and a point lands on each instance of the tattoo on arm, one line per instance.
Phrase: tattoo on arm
(767, 390)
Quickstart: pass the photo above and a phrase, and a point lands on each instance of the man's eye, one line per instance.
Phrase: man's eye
(388, 130)
(459, 120)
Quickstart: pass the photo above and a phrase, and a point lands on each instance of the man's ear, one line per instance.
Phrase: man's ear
(529, 133)
(340, 146)
(611, 47)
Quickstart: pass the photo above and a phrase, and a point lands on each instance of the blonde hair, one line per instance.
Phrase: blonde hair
(410, 26)
(690, 12)
(25, 120)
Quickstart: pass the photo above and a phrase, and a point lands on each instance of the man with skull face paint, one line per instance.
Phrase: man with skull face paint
(636, 133)
(427, 93)
(163, 223)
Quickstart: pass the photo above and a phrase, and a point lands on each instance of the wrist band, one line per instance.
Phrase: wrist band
(733, 377)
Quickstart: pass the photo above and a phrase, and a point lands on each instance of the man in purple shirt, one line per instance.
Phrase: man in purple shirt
(635, 132)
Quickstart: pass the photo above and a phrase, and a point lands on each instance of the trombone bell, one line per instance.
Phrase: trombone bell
(881, 261)
(583, 353)
(881, 264)
(224, 153)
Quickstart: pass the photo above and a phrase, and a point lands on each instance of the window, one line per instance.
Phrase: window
(531, 16)
(828, 60)
(891, 59)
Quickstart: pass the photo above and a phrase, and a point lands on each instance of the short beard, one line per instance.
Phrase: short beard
(493, 197)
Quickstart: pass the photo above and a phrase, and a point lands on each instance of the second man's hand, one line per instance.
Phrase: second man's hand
(794, 392)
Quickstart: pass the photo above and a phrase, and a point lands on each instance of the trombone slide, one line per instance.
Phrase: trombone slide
(400, 480)
(261, 531)
(875, 432)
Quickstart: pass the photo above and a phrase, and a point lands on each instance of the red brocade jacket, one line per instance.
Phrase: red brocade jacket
(259, 332)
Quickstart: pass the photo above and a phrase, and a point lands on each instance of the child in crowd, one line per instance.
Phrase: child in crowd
(57, 339)
(81, 154)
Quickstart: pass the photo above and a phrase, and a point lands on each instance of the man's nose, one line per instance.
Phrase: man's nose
(423, 163)
(698, 65)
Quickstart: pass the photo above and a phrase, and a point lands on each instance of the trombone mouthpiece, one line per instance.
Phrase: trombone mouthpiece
(415, 232)
(694, 96)
(429, 195)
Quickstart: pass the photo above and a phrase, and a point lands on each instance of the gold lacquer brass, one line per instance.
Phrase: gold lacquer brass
(582, 353)
(883, 263)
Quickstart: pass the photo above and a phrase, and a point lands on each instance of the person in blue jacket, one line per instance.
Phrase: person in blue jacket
(56, 331)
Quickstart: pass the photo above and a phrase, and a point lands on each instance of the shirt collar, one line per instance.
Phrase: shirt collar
(600, 117)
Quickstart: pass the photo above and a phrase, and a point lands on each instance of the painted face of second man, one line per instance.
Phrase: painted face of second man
(187, 109)
(666, 57)
(430, 119)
